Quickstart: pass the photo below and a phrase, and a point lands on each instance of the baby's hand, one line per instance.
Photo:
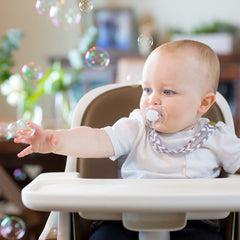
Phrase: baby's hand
(42, 141)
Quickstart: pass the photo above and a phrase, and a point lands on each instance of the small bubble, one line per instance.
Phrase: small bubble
(19, 174)
(86, 6)
(12, 228)
(145, 41)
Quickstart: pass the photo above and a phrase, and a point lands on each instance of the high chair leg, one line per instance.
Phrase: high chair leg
(64, 232)
(52, 222)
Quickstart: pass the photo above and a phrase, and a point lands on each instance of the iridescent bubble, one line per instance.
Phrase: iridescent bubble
(24, 129)
(12, 129)
(19, 174)
(145, 41)
(63, 16)
(12, 228)
(32, 71)
(4, 134)
(20, 128)
(43, 6)
(97, 58)
(85, 6)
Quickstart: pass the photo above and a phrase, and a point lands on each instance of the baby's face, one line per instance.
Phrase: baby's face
(172, 83)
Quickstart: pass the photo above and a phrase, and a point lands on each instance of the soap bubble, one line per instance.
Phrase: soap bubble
(20, 128)
(64, 16)
(145, 41)
(24, 129)
(97, 58)
(19, 174)
(43, 6)
(12, 228)
(4, 134)
(12, 129)
(32, 71)
(86, 6)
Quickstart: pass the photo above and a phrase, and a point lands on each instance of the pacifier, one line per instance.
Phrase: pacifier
(155, 116)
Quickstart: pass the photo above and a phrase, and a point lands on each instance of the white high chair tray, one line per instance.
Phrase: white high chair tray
(69, 192)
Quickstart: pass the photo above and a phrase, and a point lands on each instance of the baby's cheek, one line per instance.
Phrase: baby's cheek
(177, 110)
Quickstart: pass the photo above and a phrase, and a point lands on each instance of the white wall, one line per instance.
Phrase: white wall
(43, 40)
(183, 14)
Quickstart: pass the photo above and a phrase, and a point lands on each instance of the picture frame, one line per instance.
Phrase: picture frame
(116, 29)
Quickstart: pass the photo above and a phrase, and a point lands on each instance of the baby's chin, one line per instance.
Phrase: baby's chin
(167, 129)
(164, 128)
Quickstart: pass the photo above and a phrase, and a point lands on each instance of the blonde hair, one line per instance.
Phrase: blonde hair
(207, 58)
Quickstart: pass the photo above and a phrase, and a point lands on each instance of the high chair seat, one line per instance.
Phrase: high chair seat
(143, 204)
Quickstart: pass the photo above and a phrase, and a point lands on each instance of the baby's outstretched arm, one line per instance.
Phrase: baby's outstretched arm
(79, 142)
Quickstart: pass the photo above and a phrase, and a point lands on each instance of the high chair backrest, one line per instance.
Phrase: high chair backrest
(105, 105)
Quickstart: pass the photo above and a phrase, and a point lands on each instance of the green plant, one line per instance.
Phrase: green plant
(217, 26)
(214, 27)
(9, 43)
(56, 79)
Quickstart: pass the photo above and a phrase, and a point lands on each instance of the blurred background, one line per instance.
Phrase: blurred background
(44, 42)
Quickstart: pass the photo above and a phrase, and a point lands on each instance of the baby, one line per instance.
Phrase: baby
(166, 138)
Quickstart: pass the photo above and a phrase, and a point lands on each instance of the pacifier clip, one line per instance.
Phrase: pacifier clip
(196, 142)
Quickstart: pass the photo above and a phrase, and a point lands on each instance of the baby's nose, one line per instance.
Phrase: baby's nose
(155, 100)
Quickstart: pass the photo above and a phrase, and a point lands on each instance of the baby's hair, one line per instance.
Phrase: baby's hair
(206, 56)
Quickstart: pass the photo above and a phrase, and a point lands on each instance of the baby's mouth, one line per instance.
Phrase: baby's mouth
(155, 116)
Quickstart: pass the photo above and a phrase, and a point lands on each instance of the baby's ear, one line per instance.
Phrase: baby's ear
(206, 102)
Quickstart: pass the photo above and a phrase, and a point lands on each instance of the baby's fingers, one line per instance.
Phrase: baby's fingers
(34, 126)
(26, 132)
(25, 152)
(23, 139)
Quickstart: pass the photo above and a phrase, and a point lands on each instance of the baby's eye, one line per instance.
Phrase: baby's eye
(168, 92)
(147, 90)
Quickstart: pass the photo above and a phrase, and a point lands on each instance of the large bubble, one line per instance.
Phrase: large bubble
(12, 228)
(4, 134)
(97, 58)
(20, 128)
(32, 71)
(43, 6)
(64, 16)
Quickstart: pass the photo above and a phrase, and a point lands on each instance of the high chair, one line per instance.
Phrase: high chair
(88, 185)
